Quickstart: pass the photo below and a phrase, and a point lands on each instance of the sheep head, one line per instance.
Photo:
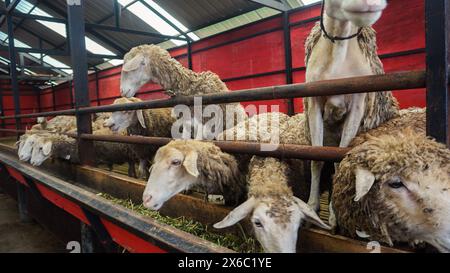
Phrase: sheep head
(136, 70)
(42, 149)
(121, 120)
(26, 147)
(174, 170)
(275, 213)
(402, 182)
(275, 221)
(361, 13)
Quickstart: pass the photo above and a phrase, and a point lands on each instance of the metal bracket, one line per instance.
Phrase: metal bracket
(100, 230)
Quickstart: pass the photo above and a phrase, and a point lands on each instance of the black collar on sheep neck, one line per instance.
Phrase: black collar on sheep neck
(334, 38)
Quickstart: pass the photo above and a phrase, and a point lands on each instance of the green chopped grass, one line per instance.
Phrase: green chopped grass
(243, 243)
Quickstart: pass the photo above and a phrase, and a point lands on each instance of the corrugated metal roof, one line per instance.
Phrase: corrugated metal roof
(205, 17)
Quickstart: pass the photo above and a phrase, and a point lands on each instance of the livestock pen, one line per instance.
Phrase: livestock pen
(261, 61)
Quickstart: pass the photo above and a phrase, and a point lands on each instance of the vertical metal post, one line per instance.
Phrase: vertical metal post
(437, 13)
(70, 93)
(288, 58)
(13, 67)
(53, 97)
(38, 97)
(189, 48)
(41, 57)
(22, 64)
(22, 201)
(97, 87)
(87, 239)
(75, 12)
(117, 13)
(2, 112)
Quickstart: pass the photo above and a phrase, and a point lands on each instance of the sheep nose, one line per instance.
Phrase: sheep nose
(147, 198)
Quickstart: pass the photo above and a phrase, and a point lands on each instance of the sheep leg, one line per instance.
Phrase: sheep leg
(353, 121)
(315, 121)
(143, 169)
(332, 221)
(131, 169)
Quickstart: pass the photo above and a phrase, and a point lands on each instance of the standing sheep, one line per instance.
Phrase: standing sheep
(332, 53)
(394, 185)
(151, 63)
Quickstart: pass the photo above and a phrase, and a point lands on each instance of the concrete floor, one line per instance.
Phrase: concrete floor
(18, 237)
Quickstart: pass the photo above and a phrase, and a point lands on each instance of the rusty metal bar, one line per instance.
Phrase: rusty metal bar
(333, 154)
(13, 131)
(375, 83)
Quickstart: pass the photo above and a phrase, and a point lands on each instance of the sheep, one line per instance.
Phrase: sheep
(276, 214)
(41, 124)
(63, 147)
(56, 145)
(59, 124)
(183, 164)
(268, 178)
(394, 186)
(336, 120)
(148, 122)
(152, 63)
(66, 148)
(25, 146)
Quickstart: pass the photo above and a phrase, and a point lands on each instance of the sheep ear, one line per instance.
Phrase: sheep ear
(133, 64)
(140, 116)
(310, 215)
(364, 182)
(47, 148)
(190, 164)
(237, 214)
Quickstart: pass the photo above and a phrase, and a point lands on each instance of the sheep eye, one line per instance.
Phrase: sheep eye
(396, 184)
(176, 162)
(257, 223)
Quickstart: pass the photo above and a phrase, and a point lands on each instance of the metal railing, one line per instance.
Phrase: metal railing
(394, 81)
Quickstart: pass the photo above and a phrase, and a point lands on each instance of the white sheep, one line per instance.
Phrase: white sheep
(222, 165)
(394, 186)
(275, 209)
(183, 164)
(276, 214)
(147, 122)
(66, 148)
(336, 120)
(59, 124)
(151, 63)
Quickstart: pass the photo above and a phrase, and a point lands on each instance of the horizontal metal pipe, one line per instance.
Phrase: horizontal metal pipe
(132, 31)
(12, 131)
(333, 154)
(375, 83)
